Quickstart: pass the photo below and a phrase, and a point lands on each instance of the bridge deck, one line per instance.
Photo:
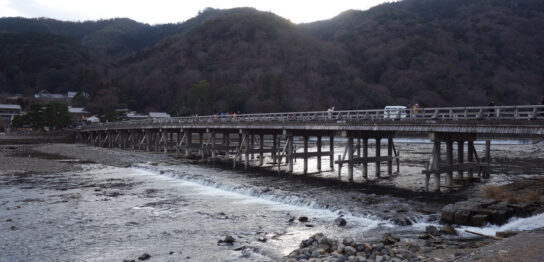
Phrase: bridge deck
(516, 121)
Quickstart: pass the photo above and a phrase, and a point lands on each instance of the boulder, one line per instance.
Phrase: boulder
(229, 240)
(340, 221)
(303, 219)
(144, 256)
(462, 217)
(498, 216)
(448, 213)
(432, 230)
(448, 229)
(478, 220)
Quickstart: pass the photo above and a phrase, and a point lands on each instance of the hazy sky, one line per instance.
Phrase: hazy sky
(170, 11)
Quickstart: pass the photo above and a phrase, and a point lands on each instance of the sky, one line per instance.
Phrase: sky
(172, 11)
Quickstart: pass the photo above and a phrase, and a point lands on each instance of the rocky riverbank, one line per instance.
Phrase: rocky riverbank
(434, 245)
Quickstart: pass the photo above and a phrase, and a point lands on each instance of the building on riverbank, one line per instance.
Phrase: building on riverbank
(79, 115)
(7, 113)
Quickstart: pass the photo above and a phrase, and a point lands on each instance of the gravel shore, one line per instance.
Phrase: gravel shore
(54, 158)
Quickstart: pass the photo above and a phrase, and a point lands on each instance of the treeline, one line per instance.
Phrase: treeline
(431, 52)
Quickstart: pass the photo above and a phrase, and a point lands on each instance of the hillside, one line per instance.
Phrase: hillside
(31, 62)
(251, 61)
(448, 52)
(431, 52)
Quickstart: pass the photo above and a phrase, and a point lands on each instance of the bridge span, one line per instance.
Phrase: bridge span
(240, 137)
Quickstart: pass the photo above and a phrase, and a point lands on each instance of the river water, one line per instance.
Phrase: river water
(179, 211)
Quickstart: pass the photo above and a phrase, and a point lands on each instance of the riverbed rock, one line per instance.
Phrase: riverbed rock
(348, 241)
(432, 230)
(462, 216)
(479, 220)
(448, 230)
(228, 240)
(303, 219)
(349, 250)
(478, 212)
(389, 239)
(144, 256)
(448, 213)
(340, 221)
(498, 216)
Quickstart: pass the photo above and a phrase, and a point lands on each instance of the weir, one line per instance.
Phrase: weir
(239, 139)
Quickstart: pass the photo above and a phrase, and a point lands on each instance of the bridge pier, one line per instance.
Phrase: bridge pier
(365, 156)
(353, 159)
(318, 144)
(305, 157)
(290, 152)
(436, 168)
(331, 150)
(460, 157)
(261, 148)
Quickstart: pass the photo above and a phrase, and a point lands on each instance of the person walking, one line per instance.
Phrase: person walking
(415, 110)
(491, 110)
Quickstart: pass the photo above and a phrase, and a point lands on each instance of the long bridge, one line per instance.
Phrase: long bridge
(240, 137)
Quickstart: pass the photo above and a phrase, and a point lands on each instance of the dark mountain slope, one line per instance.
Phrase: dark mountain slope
(277, 66)
(447, 52)
(32, 62)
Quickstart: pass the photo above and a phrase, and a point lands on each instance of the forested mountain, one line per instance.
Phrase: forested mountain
(446, 52)
(37, 61)
(431, 52)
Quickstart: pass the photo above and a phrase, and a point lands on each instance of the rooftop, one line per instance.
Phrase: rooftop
(77, 110)
(10, 106)
(159, 115)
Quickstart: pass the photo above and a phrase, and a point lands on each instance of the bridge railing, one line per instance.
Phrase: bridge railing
(521, 113)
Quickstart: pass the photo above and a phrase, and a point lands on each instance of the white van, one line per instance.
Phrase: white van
(395, 112)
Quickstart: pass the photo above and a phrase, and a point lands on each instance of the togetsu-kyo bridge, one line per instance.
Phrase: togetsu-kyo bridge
(240, 137)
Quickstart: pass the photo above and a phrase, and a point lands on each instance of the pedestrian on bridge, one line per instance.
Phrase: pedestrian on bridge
(415, 110)
(491, 110)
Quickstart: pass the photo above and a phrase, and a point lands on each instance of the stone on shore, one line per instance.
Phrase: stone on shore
(389, 239)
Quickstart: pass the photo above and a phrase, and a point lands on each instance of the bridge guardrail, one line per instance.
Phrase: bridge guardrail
(525, 112)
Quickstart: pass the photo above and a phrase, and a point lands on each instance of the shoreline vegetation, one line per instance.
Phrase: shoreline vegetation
(23, 156)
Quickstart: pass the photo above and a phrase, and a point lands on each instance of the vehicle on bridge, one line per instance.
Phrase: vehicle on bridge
(395, 112)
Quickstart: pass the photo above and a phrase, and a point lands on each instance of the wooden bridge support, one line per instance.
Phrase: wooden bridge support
(354, 158)
(436, 168)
